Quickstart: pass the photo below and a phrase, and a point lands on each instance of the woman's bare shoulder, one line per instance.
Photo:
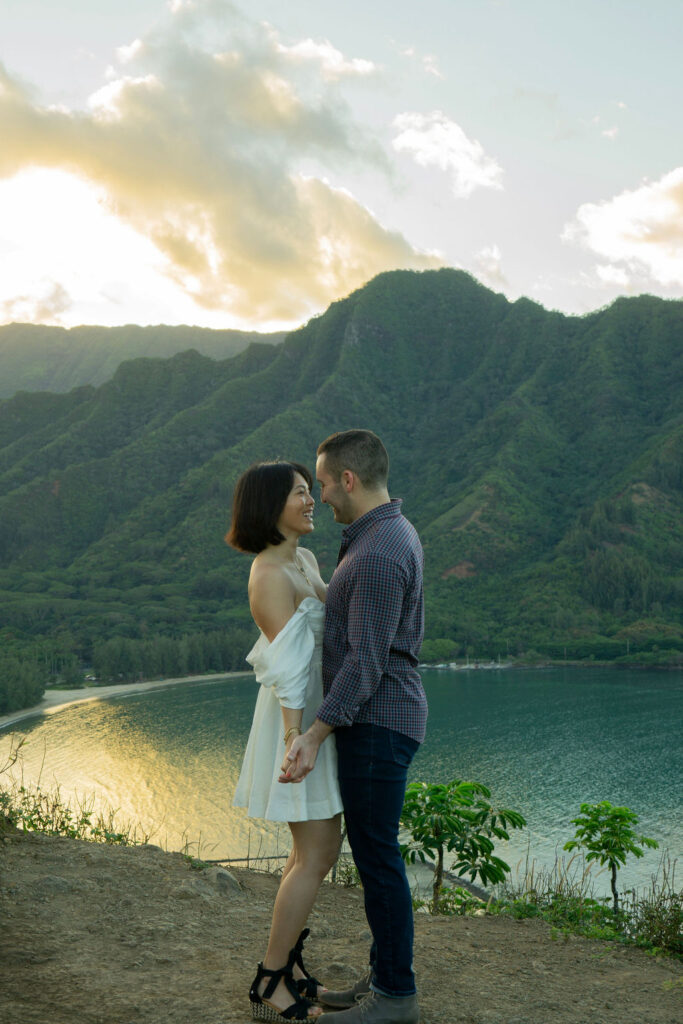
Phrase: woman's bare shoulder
(272, 597)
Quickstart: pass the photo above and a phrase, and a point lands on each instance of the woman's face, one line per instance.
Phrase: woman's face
(296, 517)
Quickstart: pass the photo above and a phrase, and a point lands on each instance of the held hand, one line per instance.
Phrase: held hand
(299, 759)
(286, 763)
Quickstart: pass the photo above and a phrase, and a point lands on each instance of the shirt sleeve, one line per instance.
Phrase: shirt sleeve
(374, 605)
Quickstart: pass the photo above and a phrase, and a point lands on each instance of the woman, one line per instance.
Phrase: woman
(272, 510)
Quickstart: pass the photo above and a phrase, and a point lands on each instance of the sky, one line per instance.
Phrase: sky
(244, 164)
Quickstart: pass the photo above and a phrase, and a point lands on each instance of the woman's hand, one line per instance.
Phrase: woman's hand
(300, 758)
(286, 762)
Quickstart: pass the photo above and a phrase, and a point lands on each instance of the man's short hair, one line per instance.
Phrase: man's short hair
(362, 452)
(260, 496)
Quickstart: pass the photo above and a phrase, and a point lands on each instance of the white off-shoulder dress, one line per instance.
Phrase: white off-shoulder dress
(290, 673)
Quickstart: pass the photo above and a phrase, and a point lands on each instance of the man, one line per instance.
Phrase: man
(375, 703)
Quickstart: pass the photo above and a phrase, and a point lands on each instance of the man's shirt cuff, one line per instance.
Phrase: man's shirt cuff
(333, 713)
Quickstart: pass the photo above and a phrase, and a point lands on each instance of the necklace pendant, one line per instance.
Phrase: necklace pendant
(303, 572)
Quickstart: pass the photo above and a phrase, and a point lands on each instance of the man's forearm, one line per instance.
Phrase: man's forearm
(319, 731)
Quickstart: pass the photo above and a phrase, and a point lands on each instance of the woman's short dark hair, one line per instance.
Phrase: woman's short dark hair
(260, 496)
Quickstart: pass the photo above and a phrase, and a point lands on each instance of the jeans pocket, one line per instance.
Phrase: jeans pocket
(403, 748)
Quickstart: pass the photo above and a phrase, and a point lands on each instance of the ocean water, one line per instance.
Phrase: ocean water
(543, 741)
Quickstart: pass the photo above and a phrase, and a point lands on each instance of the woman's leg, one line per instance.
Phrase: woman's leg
(315, 850)
(289, 864)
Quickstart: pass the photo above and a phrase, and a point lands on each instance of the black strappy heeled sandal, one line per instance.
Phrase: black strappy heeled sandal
(262, 1009)
(308, 985)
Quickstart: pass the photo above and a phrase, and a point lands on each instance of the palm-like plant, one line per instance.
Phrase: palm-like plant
(456, 817)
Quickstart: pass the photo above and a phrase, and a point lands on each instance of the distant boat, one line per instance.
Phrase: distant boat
(454, 667)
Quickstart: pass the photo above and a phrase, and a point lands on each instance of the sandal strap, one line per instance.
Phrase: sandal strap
(284, 974)
(308, 985)
(297, 1011)
(296, 952)
(300, 941)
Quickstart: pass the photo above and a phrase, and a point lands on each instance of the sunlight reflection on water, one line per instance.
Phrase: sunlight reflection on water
(543, 741)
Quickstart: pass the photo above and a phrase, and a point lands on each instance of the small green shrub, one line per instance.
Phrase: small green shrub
(455, 901)
(345, 873)
(606, 834)
(456, 818)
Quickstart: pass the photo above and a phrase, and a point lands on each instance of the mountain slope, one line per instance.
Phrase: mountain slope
(539, 456)
(38, 358)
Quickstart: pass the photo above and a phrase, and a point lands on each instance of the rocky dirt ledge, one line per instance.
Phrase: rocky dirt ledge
(93, 934)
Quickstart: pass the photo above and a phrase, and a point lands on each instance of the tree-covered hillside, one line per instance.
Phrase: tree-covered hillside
(539, 456)
(38, 358)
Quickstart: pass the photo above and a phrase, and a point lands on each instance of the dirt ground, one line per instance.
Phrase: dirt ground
(92, 934)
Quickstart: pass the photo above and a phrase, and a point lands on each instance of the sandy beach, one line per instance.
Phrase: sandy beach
(57, 700)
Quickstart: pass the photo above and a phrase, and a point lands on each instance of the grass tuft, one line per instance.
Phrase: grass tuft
(564, 895)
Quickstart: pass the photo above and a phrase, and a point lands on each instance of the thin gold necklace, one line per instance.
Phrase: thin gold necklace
(302, 571)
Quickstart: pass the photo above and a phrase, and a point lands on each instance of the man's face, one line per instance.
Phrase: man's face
(332, 493)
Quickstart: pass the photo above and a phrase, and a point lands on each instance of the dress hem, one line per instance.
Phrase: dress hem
(309, 817)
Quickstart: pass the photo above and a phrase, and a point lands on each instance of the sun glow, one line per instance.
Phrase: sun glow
(66, 258)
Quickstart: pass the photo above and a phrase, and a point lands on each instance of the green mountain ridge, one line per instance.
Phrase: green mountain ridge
(539, 456)
(34, 357)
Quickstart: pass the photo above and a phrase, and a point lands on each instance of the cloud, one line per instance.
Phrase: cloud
(488, 267)
(125, 54)
(431, 65)
(608, 274)
(642, 229)
(333, 64)
(435, 141)
(429, 61)
(45, 305)
(198, 142)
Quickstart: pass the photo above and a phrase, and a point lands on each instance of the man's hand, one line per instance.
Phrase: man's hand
(301, 756)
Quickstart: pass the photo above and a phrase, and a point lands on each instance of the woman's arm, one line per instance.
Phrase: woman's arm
(291, 721)
(272, 602)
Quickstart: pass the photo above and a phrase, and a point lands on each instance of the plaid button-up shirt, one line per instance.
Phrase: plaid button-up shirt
(374, 623)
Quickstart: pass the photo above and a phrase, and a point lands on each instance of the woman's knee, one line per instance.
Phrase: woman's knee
(318, 862)
(330, 857)
(319, 859)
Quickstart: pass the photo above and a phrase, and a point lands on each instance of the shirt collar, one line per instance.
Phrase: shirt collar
(389, 510)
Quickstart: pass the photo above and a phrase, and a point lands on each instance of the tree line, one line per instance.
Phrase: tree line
(125, 660)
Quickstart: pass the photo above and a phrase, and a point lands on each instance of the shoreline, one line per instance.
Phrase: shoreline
(664, 666)
(58, 700)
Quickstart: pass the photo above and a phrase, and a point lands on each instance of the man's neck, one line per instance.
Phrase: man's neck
(368, 501)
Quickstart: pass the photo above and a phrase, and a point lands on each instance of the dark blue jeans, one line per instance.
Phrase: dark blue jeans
(373, 768)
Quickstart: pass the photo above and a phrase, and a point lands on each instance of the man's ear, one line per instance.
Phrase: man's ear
(348, 480)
